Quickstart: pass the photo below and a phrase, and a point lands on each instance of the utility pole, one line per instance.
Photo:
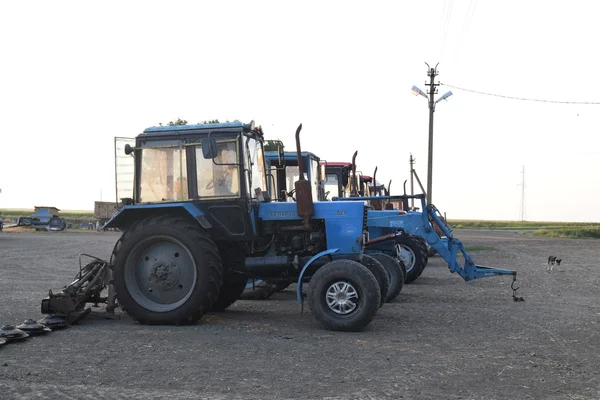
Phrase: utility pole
(432, 73)
(412, 177)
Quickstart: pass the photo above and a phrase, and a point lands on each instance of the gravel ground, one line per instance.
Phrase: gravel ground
(441, 338)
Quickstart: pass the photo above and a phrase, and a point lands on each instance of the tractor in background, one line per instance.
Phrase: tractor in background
(411, 232)
(336, 179)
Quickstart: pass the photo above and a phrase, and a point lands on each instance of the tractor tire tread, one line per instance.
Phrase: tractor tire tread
(366, 285)
(185, 314)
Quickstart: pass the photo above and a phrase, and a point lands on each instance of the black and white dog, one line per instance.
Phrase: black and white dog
(551, 261)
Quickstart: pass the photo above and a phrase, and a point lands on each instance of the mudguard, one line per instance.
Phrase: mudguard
(308, 263)
(127, 214)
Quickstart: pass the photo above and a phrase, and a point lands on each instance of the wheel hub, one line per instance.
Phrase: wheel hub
(342, 298)
(407, 256)
(164, 276)
(161, 273)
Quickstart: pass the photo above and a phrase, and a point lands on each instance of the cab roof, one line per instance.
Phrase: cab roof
(161, 130)
(336, 164)
(289, 155)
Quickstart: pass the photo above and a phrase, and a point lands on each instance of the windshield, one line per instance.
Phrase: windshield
(257, 166)
(292, 174)
(163, 175)
(331, 186)
(219, 177)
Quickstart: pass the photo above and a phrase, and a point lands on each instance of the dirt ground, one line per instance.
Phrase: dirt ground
(442, 338)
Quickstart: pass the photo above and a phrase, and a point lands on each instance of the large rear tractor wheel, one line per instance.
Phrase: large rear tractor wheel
(395, 274)
(344, 296)
(167, 271)
(257, 289)
(233, 286)
(234, 283)
(412, 254)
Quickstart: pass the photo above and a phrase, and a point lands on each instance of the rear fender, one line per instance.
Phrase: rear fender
(128, 215)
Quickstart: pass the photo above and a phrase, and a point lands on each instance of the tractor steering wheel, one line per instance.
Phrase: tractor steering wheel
(210, 184)
(291, 194)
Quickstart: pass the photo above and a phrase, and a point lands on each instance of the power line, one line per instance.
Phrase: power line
(448, 15)
(520, 98)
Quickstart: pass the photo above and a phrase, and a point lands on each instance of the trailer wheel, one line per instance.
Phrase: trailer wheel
(412, 254)
(380, 273)
(257, 290)
(395, 274)
(344, 295)
(166, 271)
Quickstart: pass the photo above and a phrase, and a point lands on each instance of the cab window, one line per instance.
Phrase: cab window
(220, 178)
(163, 175)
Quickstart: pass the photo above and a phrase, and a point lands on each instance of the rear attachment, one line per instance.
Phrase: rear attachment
(70, 302)
(67, 307)
(429, 226)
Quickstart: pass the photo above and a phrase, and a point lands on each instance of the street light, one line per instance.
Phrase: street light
(432, 72)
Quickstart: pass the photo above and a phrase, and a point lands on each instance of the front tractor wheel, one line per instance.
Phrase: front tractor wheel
(166, 271)
(380, 273)
(395, 273)
(344, 295)
(412, 254)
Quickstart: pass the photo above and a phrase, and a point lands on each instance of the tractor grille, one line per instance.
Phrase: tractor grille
(365, 211)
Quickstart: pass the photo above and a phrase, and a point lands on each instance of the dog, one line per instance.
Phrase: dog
(551, 261)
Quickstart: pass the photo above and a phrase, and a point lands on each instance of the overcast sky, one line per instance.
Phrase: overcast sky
(76, 74)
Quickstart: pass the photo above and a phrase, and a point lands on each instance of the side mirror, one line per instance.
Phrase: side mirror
(209, 148)
(128, 149)
(323, 173)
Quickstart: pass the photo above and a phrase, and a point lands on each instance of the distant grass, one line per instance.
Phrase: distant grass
(544, 229)
(577, 233)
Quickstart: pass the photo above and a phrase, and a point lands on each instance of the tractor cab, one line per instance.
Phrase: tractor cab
(284, 171)
(337, 178)
(215, 172)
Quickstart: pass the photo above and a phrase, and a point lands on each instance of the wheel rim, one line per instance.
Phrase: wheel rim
(342, 298)
(407, 255)
(160, 273)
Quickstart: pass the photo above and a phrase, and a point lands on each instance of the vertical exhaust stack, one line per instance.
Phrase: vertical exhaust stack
(374, 182)
(378, 204)
(304, 201)
(353, 182)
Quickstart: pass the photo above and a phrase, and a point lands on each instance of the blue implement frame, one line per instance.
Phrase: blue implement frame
(447, 249)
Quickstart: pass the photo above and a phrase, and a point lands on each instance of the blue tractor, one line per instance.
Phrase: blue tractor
(392, 228)
(333, 179)
(342, 180)
(284, 169)
(201, 223)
